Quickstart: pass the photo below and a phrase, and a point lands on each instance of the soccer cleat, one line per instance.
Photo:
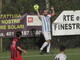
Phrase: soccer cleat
(41, 52)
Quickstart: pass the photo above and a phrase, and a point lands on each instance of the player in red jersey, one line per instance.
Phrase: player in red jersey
(16, 47)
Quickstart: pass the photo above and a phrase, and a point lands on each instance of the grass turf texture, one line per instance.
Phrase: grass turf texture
(72, 54)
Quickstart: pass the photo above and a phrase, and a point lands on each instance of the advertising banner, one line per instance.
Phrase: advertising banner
(67, 23)
(11, 23)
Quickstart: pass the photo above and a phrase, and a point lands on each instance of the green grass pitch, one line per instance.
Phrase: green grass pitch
(72, 54)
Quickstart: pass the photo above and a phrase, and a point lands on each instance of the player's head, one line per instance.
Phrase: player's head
(45, 12)
(18, 34)
(62, 48)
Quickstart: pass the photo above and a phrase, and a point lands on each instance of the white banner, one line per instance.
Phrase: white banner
(67, 23)
(33, 20)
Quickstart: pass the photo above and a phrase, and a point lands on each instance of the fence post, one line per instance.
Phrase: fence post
(0, 38)
(0, 44)
(0, 6)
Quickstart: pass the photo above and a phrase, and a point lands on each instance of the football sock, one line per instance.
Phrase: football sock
(44, 45)
(48, 47)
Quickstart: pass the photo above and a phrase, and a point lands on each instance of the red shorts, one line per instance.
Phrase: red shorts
(18, 57)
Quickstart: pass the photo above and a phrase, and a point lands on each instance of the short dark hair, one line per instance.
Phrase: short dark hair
(62, 48)
(18, 33)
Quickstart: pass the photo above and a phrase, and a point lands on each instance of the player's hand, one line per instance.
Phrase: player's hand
(52, 8)
(24, 51)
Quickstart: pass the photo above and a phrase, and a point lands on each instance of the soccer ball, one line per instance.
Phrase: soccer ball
(36, 7)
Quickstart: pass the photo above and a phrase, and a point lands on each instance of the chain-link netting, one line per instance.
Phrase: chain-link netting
(68, 41)
(28, 43)
(33, 43)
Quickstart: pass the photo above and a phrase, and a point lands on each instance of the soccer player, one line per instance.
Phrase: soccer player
(16, 47)
(46, 29)
(61, 55)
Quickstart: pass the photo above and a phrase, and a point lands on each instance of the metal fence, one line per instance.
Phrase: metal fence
(32, 43)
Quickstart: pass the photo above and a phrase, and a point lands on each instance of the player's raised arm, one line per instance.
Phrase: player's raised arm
(36, 7)
(38, 14)
(53, 12)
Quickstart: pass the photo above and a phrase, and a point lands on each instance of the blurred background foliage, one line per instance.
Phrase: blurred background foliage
(26, 6)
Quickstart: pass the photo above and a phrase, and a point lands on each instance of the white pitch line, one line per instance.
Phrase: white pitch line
(43, 55)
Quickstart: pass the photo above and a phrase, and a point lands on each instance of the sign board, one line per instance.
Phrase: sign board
(33, 20)
(67, 23)
(11, 23)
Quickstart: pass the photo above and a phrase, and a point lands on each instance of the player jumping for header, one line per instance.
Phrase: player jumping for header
(46, 29)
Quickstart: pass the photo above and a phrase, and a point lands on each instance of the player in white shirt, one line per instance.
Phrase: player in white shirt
(61, 55)
(46, 29)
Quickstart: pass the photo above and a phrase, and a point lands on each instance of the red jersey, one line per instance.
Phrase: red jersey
(15, 53)
(13, 45)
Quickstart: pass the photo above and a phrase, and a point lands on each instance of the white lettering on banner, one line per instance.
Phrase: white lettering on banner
(67, 23)
(30, 32)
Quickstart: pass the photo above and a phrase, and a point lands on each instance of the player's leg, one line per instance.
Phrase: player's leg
(48, 47)
(11, 59)
(46, 41)
(44, 45)
(13, 54)
(19, 57)
(49, 43)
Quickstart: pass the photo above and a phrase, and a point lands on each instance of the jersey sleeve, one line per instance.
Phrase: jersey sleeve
(13, 45)
(50, 15)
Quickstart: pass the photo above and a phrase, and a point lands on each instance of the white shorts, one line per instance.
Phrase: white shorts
(47, 35)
